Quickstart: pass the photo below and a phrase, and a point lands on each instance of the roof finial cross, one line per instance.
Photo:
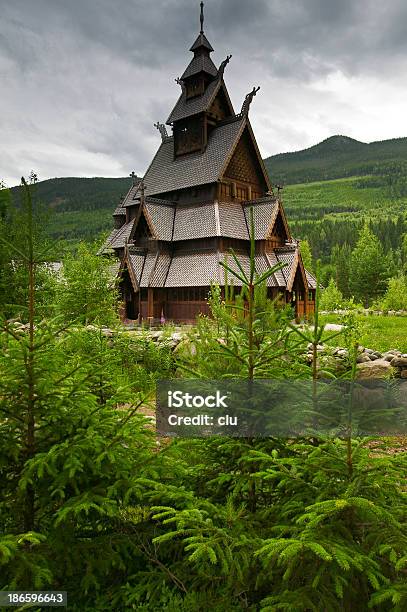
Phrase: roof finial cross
(202, 18)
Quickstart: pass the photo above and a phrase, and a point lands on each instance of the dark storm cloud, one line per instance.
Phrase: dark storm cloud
(85, 79)
(352, 35)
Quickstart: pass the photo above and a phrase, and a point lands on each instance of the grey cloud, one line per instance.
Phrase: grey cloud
(93, 75)
(284, 34)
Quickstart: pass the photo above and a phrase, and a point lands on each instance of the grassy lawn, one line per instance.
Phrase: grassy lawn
(379, 332)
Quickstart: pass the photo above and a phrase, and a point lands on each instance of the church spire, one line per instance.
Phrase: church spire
(202, 18)
(201, 63)
(202, 44)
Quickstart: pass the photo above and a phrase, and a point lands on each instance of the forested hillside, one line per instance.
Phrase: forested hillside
(338, 157)
(83, 206)
(331, 189)
(327, 213)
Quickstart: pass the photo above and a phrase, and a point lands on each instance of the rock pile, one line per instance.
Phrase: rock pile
(368, 311)
(371, 363)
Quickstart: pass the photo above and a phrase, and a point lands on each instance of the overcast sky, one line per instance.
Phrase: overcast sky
(83, 81)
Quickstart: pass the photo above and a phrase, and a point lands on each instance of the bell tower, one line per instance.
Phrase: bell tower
(190, 133)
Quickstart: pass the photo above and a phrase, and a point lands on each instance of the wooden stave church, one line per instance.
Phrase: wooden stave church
(175, 226)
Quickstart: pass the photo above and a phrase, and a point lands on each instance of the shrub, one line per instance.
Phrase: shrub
(331, 298)
(395, 297)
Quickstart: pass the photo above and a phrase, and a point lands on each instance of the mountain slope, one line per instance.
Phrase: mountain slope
(81, 207)
(373, 183)
(71, 193)
(336, 157)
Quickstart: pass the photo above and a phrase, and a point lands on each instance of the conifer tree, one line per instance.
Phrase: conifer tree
(341, 258)
(68, 461)
(369, 268)
(88, 291)
(302, 524)
(306, 255)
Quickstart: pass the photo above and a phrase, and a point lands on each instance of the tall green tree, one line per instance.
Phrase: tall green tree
(6, 269)
(341, 259)
(306, 255)
(369, 268)
(19, 225)
(404, 252)
(87, 291)
(69, 460)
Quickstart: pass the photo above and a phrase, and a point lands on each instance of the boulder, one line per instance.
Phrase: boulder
(399, 362)
(363, 358)
(320, 347)
(333, 327)
(380, 368)
(107, 332)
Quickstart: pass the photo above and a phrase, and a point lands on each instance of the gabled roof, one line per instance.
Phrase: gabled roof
(261, 265)
(147, 269)
(118, 237)
(312, 281)
(200, 63)
(257, 154)
(232, 222)
(128, 199)
(288, 255)
(265, 211)
(160, 215)
(120, 210)
(168, 174)
(196, 221)
(193, 270)
(186, 108)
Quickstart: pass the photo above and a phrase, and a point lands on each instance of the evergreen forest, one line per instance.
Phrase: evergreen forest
(93, 502)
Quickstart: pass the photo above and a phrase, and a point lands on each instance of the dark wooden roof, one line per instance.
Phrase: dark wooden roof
(168, 174)
(186, 108)
(201, 42)
(128, 199)
(118, 237)
(202, 269)
(265, 212)
(200, 63)
(312, 281)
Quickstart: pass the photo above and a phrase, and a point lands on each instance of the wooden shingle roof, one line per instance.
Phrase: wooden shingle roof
(201, 42)
(202, 269)
(200, 63)
(265, 211)
(168, 174)
(186, 108)
(118, 237)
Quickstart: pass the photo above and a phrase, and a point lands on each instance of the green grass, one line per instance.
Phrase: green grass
(380, 333)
